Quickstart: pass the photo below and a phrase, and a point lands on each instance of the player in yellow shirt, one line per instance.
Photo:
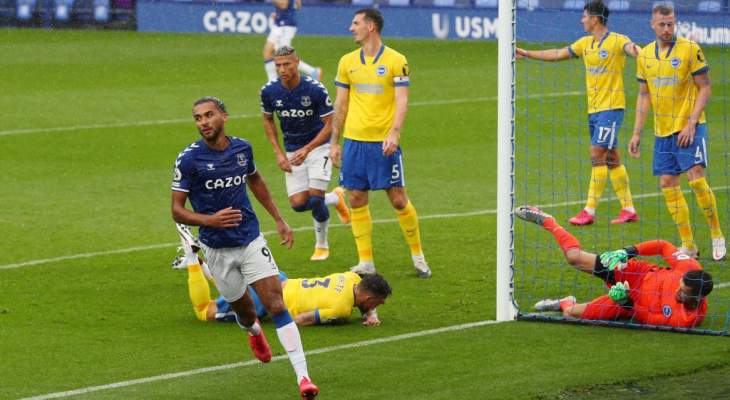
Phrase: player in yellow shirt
(310, 301)
(673, 78)
(372, 102)
(604, 55)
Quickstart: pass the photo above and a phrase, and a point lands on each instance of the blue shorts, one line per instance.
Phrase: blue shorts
(364, 167)
(670, 159)
(604, 126)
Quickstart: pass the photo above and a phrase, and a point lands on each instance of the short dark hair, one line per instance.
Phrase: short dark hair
(663, 9)
(373, 15)
(700, 281)
(212, 99)
(285, 51)
(375, 284)
(597, 9)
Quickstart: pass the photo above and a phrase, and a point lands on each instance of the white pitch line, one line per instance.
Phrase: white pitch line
(300, 229)
(245, 116)
(175, 375)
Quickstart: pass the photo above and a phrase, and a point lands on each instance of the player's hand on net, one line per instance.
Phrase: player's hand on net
(619, 292)
(228, 217)
(336, 154)
(286, 233)
(614, 260)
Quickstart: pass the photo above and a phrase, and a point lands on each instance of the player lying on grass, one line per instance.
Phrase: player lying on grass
(311, 301)
(639, 290)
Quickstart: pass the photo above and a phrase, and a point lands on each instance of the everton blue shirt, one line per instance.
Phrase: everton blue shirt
(215, 180)
(299, 110)
(288, 16)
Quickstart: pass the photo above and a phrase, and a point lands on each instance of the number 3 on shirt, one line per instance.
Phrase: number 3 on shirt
(310, 283)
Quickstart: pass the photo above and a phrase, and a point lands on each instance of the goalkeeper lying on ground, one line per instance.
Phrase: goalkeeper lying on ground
(310, 301)
(639, 290)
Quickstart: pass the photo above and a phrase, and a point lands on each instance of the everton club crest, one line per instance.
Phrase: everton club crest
(306, 101)
(242, 161)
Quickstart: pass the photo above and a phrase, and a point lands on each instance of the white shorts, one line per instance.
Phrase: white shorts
(314, 172)
(234, 268)
(281, 36)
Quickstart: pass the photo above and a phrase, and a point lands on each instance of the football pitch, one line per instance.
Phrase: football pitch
(90, 308)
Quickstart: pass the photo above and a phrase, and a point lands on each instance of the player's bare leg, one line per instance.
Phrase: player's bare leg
(270, 294)
(408, 221)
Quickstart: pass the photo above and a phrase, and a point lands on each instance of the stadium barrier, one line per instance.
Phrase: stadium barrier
(410, 22)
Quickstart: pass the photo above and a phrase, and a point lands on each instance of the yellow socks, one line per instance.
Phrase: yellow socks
(199, 291)
(408, 220)
(362, 229)
(599, 176)
(706, 200)
(620, 182)
(680, 214)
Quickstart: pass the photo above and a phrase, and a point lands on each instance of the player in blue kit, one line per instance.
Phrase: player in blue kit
(282, 32)
(304, 110)
(213, 174)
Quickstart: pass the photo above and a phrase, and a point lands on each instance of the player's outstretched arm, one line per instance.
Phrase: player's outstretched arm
(342, 103)
(259, 189)
(544, 55)
(306, 319)
(225, 218)
(643, 102)
(632, 49)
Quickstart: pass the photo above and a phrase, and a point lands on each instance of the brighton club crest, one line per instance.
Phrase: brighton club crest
(603, 53)
(675, 62)
(241, 159)
(306, 101)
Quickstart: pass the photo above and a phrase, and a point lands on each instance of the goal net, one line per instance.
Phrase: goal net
(551, 144)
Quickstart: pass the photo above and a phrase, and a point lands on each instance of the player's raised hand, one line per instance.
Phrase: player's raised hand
(228, 217)
(521, 53)
(634, 145)
(390, 144)
(614, 260)
(286, 233)
(336, 154)
(283, 163)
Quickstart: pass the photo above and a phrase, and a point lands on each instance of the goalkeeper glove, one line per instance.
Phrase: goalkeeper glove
(614, 259)
(619, 293)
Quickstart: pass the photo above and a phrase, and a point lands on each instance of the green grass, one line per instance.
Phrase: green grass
(87, 321)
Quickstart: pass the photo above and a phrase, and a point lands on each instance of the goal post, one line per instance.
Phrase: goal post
(506, 309)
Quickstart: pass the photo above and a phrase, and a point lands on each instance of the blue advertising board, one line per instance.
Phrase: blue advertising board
(415, 22)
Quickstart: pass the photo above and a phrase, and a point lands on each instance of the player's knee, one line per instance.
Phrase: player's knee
(276, 307)
(572, 256)
(319, 210)
(299, 207)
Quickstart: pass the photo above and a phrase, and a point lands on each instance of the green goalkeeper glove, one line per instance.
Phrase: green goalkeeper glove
(619, 293)
(614, 259)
